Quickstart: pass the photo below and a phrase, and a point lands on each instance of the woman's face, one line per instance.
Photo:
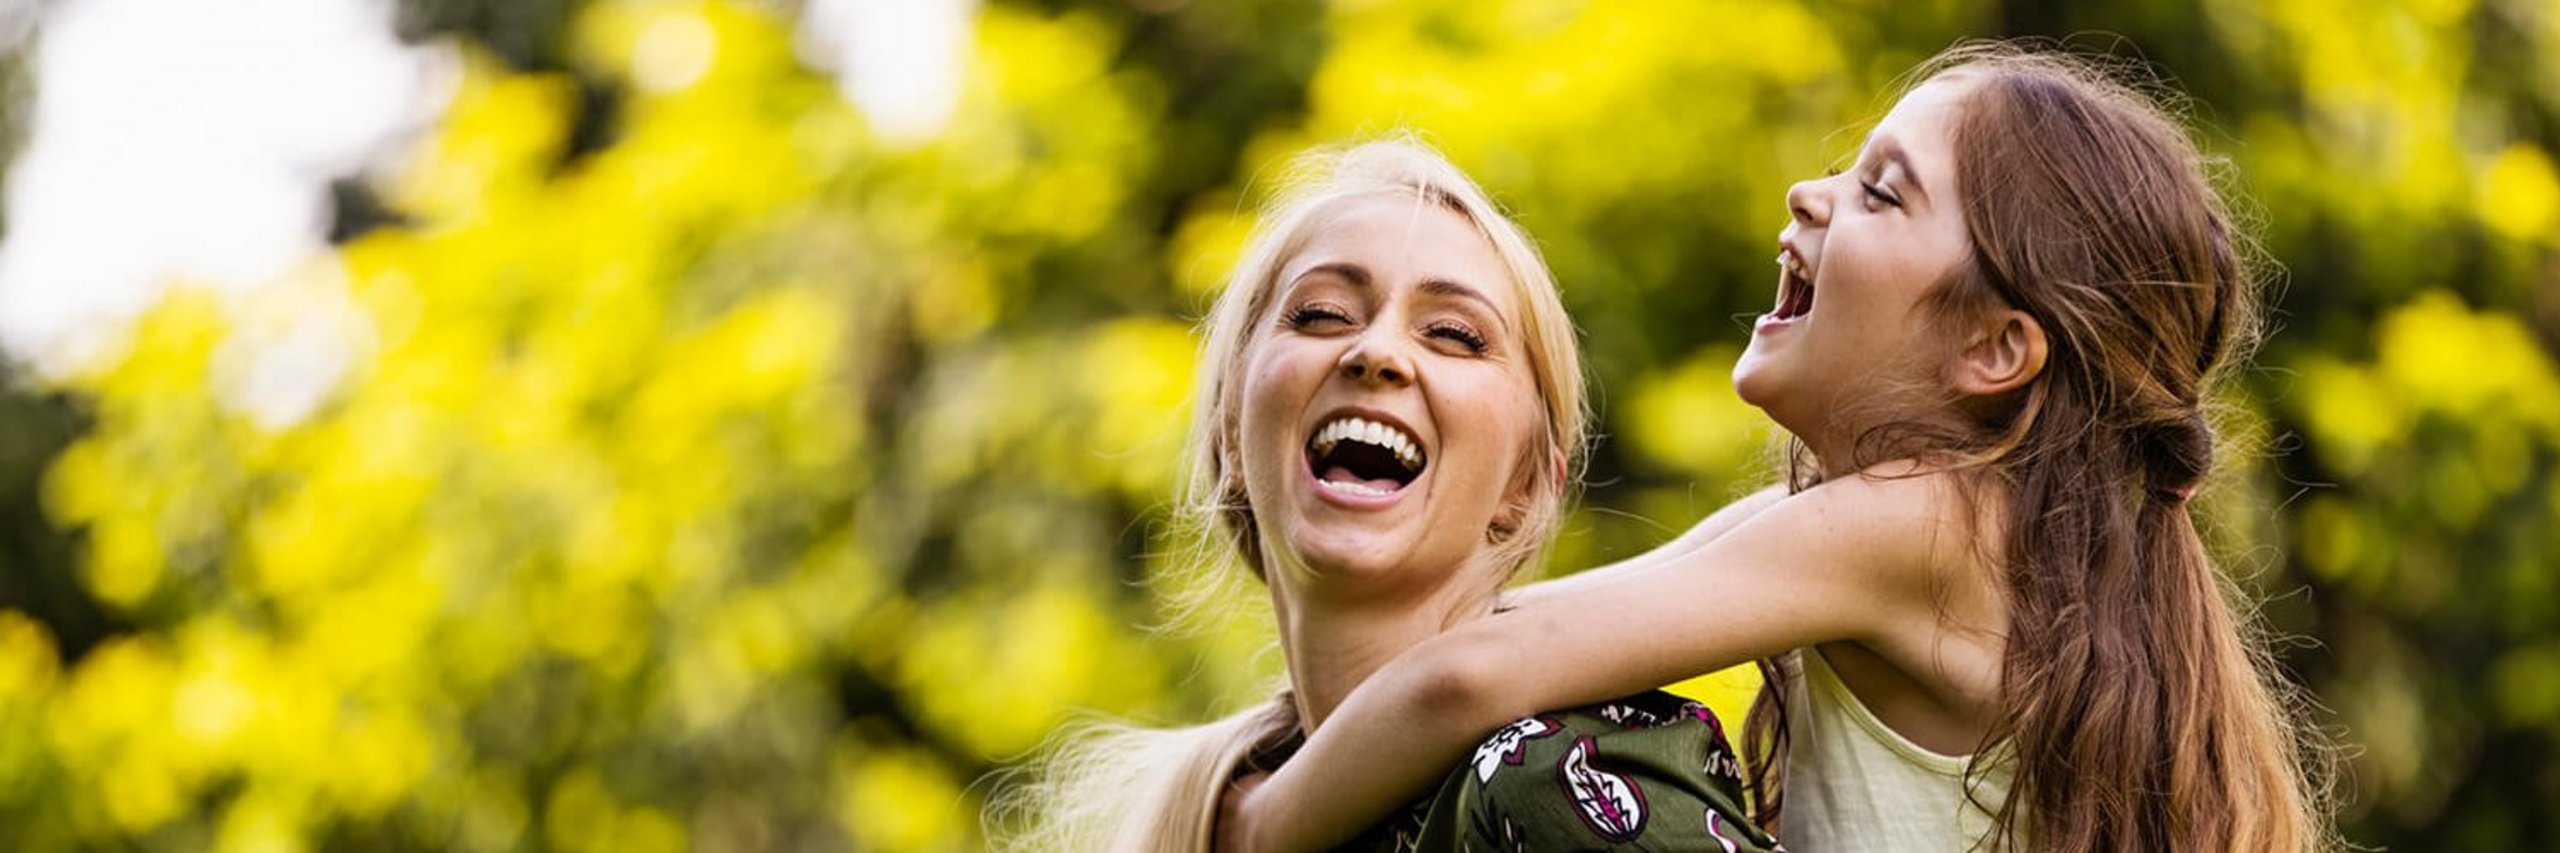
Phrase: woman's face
(1865, 248)
(1388, 400)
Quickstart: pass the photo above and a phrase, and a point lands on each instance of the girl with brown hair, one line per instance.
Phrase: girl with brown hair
(1985, 611)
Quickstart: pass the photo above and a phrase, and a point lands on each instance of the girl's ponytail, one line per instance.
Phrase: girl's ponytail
(2176, 454)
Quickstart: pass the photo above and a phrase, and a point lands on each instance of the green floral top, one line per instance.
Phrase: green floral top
(1651, 771)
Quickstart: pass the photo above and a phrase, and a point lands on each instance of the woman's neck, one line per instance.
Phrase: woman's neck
(1334, 644)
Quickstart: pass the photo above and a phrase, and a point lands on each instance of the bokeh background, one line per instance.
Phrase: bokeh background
(747, 424)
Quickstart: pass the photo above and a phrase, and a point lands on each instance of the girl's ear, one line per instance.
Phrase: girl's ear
(2006, 353)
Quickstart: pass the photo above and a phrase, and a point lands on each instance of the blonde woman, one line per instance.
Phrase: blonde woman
(1390, 414)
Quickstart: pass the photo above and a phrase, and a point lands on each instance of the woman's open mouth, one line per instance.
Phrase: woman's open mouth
(1360, 457)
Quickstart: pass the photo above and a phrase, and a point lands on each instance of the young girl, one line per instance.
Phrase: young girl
(1987, 616)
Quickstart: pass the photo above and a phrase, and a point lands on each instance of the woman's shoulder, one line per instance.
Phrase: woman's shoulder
(1651, 770)
(1584, 752)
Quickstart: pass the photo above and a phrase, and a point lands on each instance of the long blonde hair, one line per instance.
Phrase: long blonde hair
(1121, 787)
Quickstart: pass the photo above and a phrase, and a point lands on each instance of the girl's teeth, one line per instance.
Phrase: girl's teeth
(1793, 264)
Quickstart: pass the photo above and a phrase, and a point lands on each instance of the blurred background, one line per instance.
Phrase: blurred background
(751, 424)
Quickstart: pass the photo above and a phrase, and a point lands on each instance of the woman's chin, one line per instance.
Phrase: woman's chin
(1339, 553)
(1349, 560)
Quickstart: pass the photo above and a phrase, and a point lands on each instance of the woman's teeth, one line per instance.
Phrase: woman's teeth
(1353, 487)
(1372, 433)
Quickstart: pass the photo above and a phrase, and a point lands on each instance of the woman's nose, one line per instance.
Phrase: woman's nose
(1373, 362)
(1809, 203)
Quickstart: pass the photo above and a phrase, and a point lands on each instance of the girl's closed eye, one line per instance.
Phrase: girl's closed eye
(1877, 194)
(1459, 335)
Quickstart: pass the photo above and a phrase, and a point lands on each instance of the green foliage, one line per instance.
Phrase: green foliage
(729, 477)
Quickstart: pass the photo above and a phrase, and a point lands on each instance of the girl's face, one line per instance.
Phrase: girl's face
(1387, 397)
(1865, 248)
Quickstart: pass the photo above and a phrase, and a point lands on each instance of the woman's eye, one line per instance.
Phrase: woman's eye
(1312, 316)
(1877, 194)
(1457, 334)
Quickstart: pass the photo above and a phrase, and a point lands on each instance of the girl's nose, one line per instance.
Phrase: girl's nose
(1809, 204)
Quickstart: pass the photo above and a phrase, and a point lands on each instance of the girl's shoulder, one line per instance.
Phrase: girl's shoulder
(1900, 517)
(1936, 639)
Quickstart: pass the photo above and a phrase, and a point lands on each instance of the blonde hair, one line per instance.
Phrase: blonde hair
(1121, 787)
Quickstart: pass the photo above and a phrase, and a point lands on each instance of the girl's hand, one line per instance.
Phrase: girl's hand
(1236, 815)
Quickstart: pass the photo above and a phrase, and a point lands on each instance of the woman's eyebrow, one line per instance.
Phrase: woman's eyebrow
(1356, 274)
(1449, 287)
(1358, 277)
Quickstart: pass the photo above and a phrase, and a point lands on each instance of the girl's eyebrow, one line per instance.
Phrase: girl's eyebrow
(1891, 150)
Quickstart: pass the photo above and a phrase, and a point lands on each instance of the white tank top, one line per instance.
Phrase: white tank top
(1853, 784)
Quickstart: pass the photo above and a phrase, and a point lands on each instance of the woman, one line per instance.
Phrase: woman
(1390, 416)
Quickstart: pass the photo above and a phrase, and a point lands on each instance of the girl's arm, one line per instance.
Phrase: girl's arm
(1706, 530)
(1839, 561)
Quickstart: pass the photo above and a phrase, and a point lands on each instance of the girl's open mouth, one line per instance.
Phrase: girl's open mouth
(1795, 287)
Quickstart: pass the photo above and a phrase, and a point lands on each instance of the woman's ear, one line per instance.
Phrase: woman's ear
(2006, 353)
(1524, 494)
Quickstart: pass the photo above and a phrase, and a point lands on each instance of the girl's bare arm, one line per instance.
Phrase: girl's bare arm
(1840, 561)
(1706, 530)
